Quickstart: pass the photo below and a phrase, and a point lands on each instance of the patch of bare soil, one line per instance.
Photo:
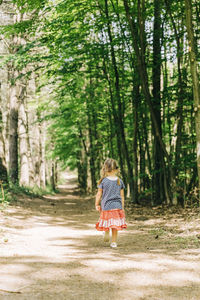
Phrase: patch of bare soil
(50, 249)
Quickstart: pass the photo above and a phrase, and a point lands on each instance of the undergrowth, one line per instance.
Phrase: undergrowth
(32, 191)
(10, 193)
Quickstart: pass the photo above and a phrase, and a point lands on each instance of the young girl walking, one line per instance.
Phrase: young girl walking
(111, 197)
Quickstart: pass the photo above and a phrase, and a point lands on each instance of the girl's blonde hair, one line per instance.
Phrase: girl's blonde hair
(109, 165)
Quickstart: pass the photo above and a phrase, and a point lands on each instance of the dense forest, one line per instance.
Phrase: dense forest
(85, 80)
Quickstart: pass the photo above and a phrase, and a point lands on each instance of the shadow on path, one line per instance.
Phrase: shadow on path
(54, 252)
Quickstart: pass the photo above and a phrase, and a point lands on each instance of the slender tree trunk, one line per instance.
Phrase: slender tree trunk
(88, 168)
(142, 164)
(53, 175)
(91, 125)
(91, 153)
(30, 155)
(82, 155)
(195, 79)
(6, 122)
(13, 132)
(32, 127)
(3, 170)
(135, 100)
(110, 130)
(56, 172)
(13, 109)
(146, 139)
(158, 183)
(36, 148)
(23, 140)
(3, 103)
(42, 140)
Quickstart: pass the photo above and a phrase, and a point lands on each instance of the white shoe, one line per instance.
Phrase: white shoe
(113, 245)
(106, 236)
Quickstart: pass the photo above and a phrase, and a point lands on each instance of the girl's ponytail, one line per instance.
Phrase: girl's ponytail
(109, 165)
(103, 175)
(100, 180)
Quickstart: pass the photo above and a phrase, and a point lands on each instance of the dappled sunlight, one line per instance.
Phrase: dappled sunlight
(190, 254)
(50, 246)
(53, 278)
(181, 278)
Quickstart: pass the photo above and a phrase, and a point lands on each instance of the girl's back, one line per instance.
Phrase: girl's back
(111, 198)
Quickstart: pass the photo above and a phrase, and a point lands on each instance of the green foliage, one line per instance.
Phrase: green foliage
(29, 5)
(83, 56)
(33, 192)
(5, 197)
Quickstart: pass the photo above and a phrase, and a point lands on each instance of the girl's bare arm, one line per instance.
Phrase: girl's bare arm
(122, 196)
(98, 199)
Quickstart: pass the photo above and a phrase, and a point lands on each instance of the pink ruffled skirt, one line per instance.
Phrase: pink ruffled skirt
(111, 219)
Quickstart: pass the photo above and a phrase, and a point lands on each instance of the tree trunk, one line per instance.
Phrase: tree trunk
(91, 125)
(13, 109)
(195, 79)
(13, 132)
(30, 155)
(3, 170)
(158, 183)
(53, 175)
(42, 140)
(32, 127)
(36, 147)
(81, 157)
(23, 140)
(142, 163)
(135, 100)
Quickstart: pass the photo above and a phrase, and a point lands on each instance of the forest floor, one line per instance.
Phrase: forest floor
(50, 249)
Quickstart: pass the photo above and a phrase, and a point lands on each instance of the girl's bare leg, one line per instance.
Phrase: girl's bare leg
(106, 236)
(114, 235)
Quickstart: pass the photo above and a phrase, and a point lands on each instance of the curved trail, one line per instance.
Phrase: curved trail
(49, 249)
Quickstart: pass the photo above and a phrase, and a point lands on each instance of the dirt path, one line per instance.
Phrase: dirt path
(49, 249)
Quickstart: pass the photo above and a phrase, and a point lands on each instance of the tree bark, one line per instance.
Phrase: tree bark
(195, 79)
(158, 176)
(14, 107)
(23, 139)
(13, 130)
(89, 100)
(3, 169)
(42, 169)
(53, 175)
(82, 155)
(135, 101)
